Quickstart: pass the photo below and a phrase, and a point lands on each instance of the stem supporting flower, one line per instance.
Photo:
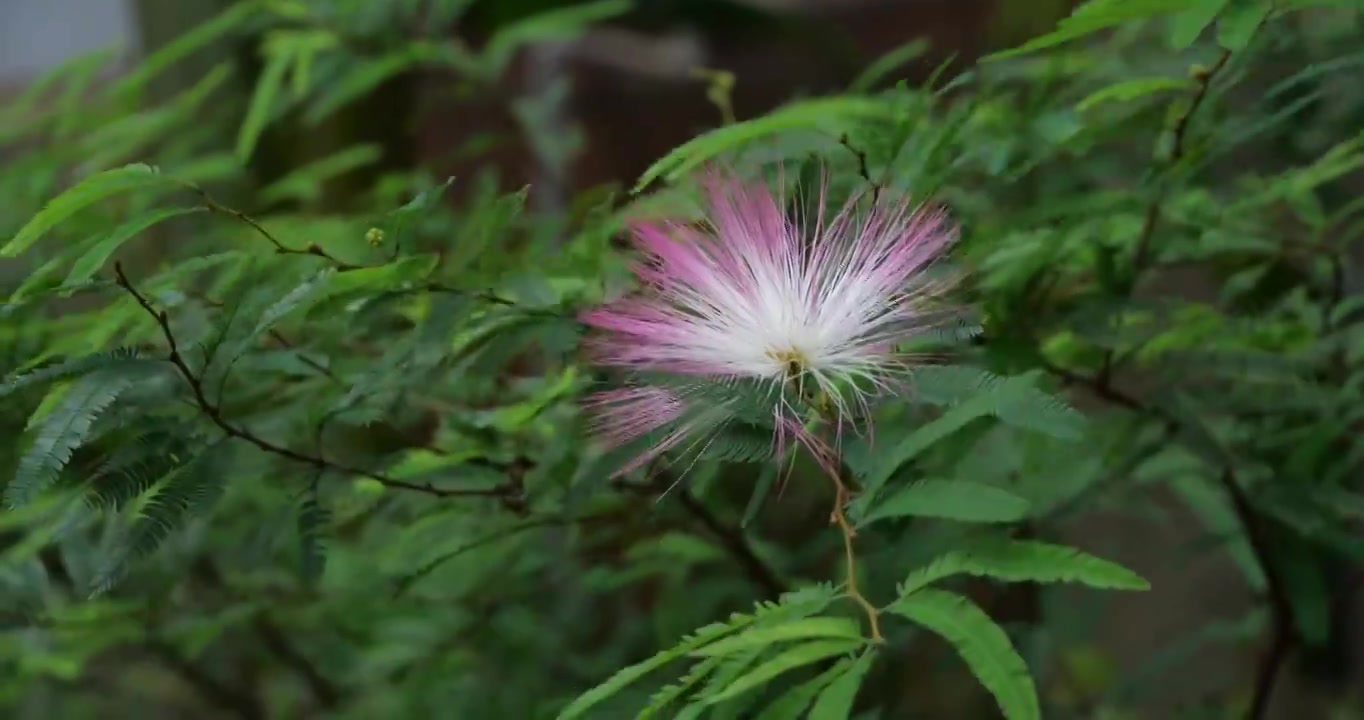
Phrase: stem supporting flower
(823, 409)
(839, 517)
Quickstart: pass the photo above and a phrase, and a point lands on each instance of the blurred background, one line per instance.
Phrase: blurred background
(621, 95)
(582, 116)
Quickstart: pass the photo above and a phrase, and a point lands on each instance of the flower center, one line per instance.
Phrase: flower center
(792, 361)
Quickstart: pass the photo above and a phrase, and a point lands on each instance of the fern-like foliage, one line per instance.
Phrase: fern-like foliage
(70, 415)
(1024, 561)
(69, 368)
(189, 492)
(967, 394)
(135, 466)
(769, 622)
(981, 643)
(313, 519)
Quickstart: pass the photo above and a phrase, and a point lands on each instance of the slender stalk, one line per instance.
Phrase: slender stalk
(833, 465)
(854, 592)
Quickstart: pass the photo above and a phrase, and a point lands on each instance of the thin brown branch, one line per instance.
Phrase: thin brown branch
(316, 250)
(311, 249)
(839, 517)
(509, 492)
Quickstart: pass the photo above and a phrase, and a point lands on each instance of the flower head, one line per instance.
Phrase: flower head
(815, 307)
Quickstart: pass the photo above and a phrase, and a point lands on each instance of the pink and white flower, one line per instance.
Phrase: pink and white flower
(752, 294)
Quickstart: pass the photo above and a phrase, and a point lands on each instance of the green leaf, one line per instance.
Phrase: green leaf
(761, 489)
(886, 465)
(830, 113)
(263, 99)
(69, 368)
(1024, 561)
(817, 627)
(565, 22)
(1239, 23)
(84, 194)
(309, 290)
(1209, 504)
(1309, 593)
(93, 259)
(793, 605)
(22, 111)
(1014, 400)
(362, 78)
(970, 393)
(1188, 25)
(791, 705)
(190, 492)
(981, 643)
(135, 467)
(64, 427)
(399, 222)
(887, 63)
(670, 693)
(836, 702)
(730, 669)
(790, 659)
(959, 500)
(305, 184)
(1132, 89)
(184, 45)
(383, 277)
(313, 520)
(738, 442)
(1092, 17)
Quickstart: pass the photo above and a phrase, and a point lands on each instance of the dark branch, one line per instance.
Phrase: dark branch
(735, 543)
(274, 639)
(1281, 611)
(327, 694)
(1178, 149)
(316, 250)
(280, 248)
(238, 702)
(862, 170)
(1141, 257)
(731, 538)
(509, 492)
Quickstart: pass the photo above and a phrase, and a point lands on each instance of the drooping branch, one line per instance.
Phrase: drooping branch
(735, 543)
(318, 251)
(731, 538)
(510, 492)
(237, 702)
(275, 640)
